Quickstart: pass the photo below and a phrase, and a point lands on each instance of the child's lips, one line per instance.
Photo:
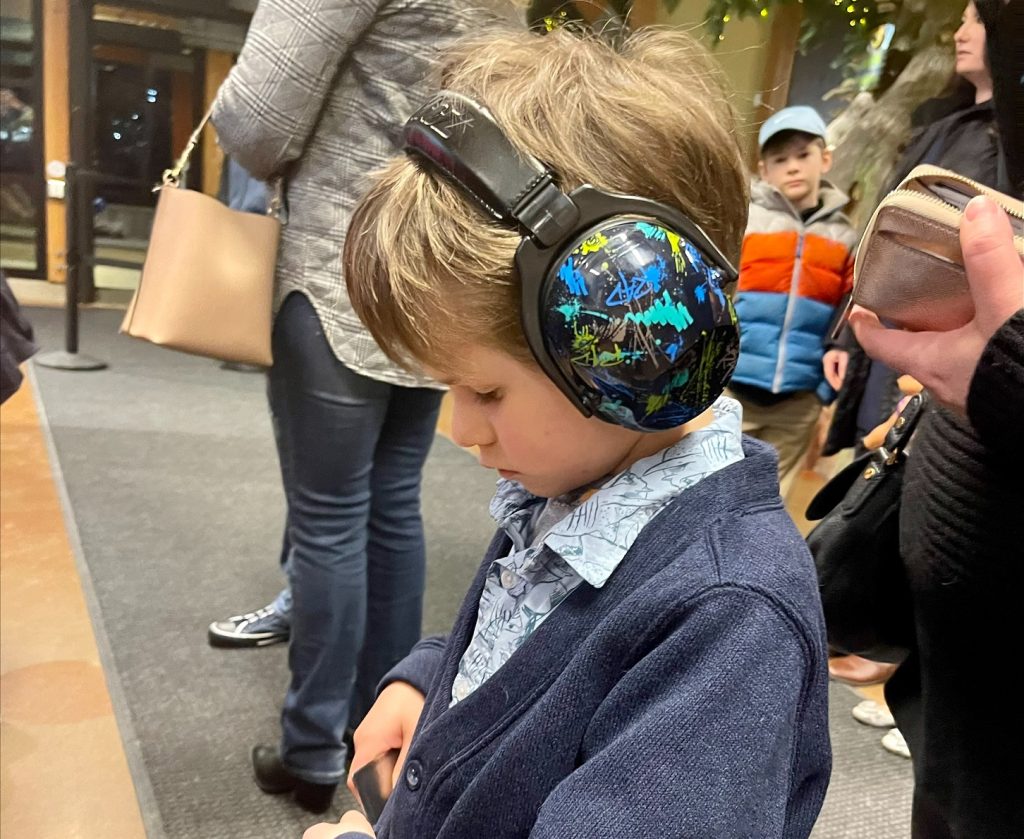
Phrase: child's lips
(505, 473)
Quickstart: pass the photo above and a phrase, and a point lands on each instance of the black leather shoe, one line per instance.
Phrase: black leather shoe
(273, 778)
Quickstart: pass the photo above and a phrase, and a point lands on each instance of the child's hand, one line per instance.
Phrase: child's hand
(352, 822)
(389, 725)
(834, 364)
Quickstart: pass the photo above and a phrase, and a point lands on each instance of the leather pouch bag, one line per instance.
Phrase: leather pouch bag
(856, 548)
(909, 268)
(207, 283)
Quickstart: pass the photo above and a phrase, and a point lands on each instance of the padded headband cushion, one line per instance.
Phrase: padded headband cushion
(460, 139)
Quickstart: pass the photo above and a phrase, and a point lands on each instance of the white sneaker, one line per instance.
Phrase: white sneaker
(873, 713)
(893, 742)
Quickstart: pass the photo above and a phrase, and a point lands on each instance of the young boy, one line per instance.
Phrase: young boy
(795, 269)
(642, 651)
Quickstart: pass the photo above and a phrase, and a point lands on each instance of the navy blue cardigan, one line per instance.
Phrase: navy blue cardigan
(685, 698)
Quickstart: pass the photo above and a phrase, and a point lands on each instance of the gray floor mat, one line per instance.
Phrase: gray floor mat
(172, 478)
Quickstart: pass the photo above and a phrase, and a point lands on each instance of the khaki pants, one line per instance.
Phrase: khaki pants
(788, 426)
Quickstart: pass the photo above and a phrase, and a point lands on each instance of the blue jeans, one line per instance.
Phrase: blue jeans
(352, 451)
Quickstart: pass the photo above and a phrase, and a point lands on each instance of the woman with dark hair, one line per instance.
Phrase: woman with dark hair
(957, 132)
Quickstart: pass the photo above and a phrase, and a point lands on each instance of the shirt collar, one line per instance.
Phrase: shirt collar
(598, 533)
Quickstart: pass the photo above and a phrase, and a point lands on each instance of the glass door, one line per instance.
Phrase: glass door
(22, 182)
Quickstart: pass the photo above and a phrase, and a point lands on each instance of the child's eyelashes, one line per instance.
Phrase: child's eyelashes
(486, 396)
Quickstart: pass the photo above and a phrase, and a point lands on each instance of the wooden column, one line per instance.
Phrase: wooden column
(56, 118)
(778, 67)
(182, 110)
(218, 65)
(644, 13)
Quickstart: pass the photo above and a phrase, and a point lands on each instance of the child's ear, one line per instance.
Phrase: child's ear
(826, 159)
(761, 169)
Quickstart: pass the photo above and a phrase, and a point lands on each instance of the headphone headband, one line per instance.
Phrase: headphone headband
(622, 305)
(461, 139)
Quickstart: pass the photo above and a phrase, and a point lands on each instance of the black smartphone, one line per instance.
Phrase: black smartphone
(373, 784)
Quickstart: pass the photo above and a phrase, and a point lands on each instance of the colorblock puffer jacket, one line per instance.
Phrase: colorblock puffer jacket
(793, 276)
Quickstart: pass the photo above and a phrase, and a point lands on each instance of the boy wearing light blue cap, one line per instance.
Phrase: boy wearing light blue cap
(795, 269)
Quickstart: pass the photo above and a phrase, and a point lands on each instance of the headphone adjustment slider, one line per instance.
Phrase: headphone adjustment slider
(547, 213)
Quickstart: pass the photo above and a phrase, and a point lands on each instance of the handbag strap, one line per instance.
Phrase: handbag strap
(902, 430)
(172, 177)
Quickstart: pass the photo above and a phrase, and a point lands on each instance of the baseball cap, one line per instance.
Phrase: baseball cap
(796, 118)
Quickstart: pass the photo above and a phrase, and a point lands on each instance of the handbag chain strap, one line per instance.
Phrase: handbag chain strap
(172, 177)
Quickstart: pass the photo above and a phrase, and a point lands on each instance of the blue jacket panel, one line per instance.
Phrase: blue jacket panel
(782, 360)
(793, 274)
(686, 697)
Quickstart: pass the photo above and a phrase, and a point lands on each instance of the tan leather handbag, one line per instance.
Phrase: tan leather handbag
(207, 284)
(909, 269)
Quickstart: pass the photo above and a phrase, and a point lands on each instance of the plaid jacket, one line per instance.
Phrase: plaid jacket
(319, 94)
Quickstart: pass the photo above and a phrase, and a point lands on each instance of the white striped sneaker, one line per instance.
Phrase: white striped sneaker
(253, 629)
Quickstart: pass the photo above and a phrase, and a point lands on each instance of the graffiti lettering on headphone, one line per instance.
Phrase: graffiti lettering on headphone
(586, 353)
(629, 289)
(573, 279)
(443, 116)
(665, 311)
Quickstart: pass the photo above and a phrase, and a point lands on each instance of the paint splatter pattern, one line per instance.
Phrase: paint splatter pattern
(639, 314)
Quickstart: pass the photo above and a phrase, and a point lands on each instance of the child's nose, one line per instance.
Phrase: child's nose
(469, 426)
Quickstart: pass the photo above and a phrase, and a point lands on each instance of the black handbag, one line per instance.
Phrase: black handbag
(856, 548)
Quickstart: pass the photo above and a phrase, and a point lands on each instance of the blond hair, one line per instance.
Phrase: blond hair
(428, 273)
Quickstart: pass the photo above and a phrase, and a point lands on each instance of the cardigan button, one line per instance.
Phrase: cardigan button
(413, 775)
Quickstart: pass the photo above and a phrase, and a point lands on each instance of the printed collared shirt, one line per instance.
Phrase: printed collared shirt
(586, 546)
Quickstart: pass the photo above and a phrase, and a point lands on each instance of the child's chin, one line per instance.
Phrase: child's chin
(533, 485)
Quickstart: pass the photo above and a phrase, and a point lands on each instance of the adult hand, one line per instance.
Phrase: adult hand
(352, 822)
(834, 364)
(389, 725)
(944, 362)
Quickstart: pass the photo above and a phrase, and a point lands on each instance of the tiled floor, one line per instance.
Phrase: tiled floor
(62, 767)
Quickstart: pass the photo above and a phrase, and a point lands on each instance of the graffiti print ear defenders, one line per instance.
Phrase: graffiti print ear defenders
(622, 301)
